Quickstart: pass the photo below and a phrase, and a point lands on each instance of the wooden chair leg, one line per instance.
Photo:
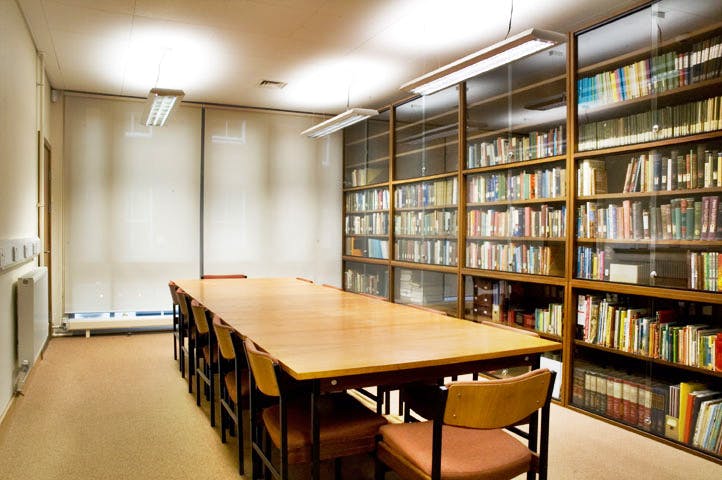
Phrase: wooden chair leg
(175, 333)
(198, 384)
(337, 468)
(239, 437)
(191, 364)
(212, 377)
(379, 469)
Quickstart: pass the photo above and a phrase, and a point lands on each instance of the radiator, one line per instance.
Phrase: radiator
(33, 320)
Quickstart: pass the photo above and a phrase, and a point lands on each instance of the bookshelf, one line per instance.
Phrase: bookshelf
(646, 173)
(425, 221)
(366, 152)
(585, 178)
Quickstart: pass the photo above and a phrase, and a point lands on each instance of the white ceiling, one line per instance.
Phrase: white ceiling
(330, 52)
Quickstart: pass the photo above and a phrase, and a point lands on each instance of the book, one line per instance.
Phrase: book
(694, 402)
(685, 388)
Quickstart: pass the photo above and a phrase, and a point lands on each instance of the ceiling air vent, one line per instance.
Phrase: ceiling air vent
(271, 84)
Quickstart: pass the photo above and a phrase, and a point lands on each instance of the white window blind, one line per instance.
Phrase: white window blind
(131, 198)
(272, 203)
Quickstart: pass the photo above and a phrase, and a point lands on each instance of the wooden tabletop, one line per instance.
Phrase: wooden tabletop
(319, 332)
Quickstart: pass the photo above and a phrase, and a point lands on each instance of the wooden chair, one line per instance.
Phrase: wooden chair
(233, 381)
(346, 426)
(173, 287)
(233, 275)
(185, 337)
(466, 439)
(206, 355)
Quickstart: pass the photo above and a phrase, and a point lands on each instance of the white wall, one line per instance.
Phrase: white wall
(18, 170)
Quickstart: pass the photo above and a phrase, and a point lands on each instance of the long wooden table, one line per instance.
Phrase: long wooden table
(336, 340)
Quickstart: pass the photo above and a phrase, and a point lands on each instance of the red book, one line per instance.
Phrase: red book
(627, 218)
(718, 352)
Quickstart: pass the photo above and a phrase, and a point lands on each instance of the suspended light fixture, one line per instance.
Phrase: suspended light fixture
(514, 48)
(343, 120)
(159, 105)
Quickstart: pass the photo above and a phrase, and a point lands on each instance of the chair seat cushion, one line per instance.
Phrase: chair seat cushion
(230, 380)
(347, 427)
(466, 453)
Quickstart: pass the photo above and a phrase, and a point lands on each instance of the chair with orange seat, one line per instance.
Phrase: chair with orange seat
(176, 314)
(206, 357)
(233, 381)
(467, 437)
(185, 336)
(346, 426)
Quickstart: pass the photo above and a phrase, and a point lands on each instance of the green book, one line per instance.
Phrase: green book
(697, 220)
(676, 219)
(690, 219)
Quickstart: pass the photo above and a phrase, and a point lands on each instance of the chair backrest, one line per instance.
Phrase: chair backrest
(263, 369)
(232, 275)
(497, 403)
(224, 337)
(183, 303)
(173, 288)
(199, 317)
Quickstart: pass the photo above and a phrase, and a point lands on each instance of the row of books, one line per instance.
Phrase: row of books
(655, 172)
(517, 148)
(376, 223)
(510, 257)
(420, 287)
(367, 247)
(685, 218)
(705, 271)
(372, 199)
(503, 186)
(544, 221)
(364, 176)
(666, 122)
(437, 193)
(660, 334)
(645, 267)
(591, 177)
(364, 282)
(657, 74)
(434, 222)
(687, 412)
(433, 252)
(549, 320)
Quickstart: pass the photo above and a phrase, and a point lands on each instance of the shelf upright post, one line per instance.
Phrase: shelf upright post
(570, 311)
(392, 205)
(461, 203)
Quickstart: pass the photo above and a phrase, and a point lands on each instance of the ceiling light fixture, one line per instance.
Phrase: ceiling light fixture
(519, 46)
(343, 120)
(159, 105)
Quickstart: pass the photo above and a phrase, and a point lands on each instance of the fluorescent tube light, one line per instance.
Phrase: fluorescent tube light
(159, 105)
(343, 120)
(514, 48)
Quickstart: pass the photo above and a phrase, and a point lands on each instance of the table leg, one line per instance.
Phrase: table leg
(315, 432)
